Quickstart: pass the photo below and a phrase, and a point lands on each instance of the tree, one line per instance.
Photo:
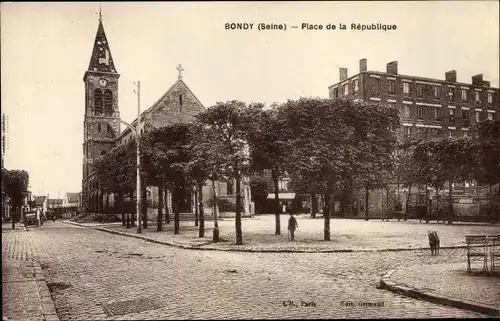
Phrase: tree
(227, 124)
(374, 141)
(268, 150)
(318, 141)
(116, 173)
(339, 144)
(450, 159)
(405, 168)
(169, 157)
(15, 185)
(487, 144)
(487, 171)
(428, 166)
(202, 167)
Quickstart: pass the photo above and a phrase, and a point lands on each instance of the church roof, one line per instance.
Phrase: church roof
(101, 59)
(144, 113)
(179, 81)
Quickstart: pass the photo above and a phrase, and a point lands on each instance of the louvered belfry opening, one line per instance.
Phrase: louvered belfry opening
(108, 102)
(98, 102)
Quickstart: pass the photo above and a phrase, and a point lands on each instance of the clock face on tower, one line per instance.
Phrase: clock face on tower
(103, 82)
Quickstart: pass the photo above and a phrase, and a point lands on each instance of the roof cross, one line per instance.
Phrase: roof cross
(180, 69)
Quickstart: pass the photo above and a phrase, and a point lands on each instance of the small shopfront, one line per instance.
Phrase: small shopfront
(288, 201)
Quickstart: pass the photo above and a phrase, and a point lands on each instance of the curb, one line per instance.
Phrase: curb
(199, 247)
(388, 284)
(48, 308)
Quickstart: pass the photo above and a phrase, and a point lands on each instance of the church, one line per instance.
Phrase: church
(102, 131)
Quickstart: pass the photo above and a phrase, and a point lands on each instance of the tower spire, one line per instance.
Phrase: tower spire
(101, 59)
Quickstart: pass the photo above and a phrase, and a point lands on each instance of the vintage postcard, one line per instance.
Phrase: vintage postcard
(260, 160)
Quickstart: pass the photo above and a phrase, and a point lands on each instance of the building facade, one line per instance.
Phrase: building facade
(71, 200)
(427, 107)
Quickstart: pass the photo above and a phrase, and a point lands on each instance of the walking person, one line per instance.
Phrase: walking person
(292, 225)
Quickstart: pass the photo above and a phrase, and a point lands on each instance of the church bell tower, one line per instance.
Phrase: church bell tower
(101, 125)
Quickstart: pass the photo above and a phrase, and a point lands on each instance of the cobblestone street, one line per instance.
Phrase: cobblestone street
(95, 275)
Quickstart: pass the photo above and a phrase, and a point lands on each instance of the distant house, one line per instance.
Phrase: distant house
(71, 200)
(54, 203)
(39, 201)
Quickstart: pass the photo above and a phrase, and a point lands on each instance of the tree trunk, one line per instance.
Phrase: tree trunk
(216, 222)
(437, 203)
(407, 202)
(119, 207)
(133, 215)
(144, 204)
(397, 201)
(276, 202)
(426, 204)
(239, 236)
(195, 207)
(159, 218)
(314, 205)
(175, 207)
(450, 203)
(387, 204)
(367, 193)
(13, 217)
(167, 209)
(199, 204)
(326, 211)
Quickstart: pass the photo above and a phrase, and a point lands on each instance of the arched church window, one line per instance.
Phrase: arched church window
(109, 128)
(108, 102)
(98, 101)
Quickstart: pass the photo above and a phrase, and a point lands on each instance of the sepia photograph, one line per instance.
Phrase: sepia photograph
(250, 160)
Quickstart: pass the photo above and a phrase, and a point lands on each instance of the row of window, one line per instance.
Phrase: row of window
(437, 113)
(345, 89)
(427, 90)
(422, 132)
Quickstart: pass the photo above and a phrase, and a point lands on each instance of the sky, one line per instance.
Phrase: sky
(46, 49)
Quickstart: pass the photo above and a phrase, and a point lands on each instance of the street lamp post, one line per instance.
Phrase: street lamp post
(137, 136)
(137, 132)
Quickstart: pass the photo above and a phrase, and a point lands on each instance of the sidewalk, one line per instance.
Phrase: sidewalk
(25, 295)
(447, 284)
(346, 235)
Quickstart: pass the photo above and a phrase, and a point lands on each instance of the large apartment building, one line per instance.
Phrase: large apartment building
(428, 107)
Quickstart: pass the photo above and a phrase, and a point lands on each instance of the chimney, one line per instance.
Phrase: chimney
(342, 74)
(477, 80)
(392, 68)
(486, 84)
(362, 65)
(451, 76)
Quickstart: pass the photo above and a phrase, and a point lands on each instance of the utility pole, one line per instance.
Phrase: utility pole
(137, 137)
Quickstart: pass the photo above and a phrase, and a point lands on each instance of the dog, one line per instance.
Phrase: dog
(434, 242)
